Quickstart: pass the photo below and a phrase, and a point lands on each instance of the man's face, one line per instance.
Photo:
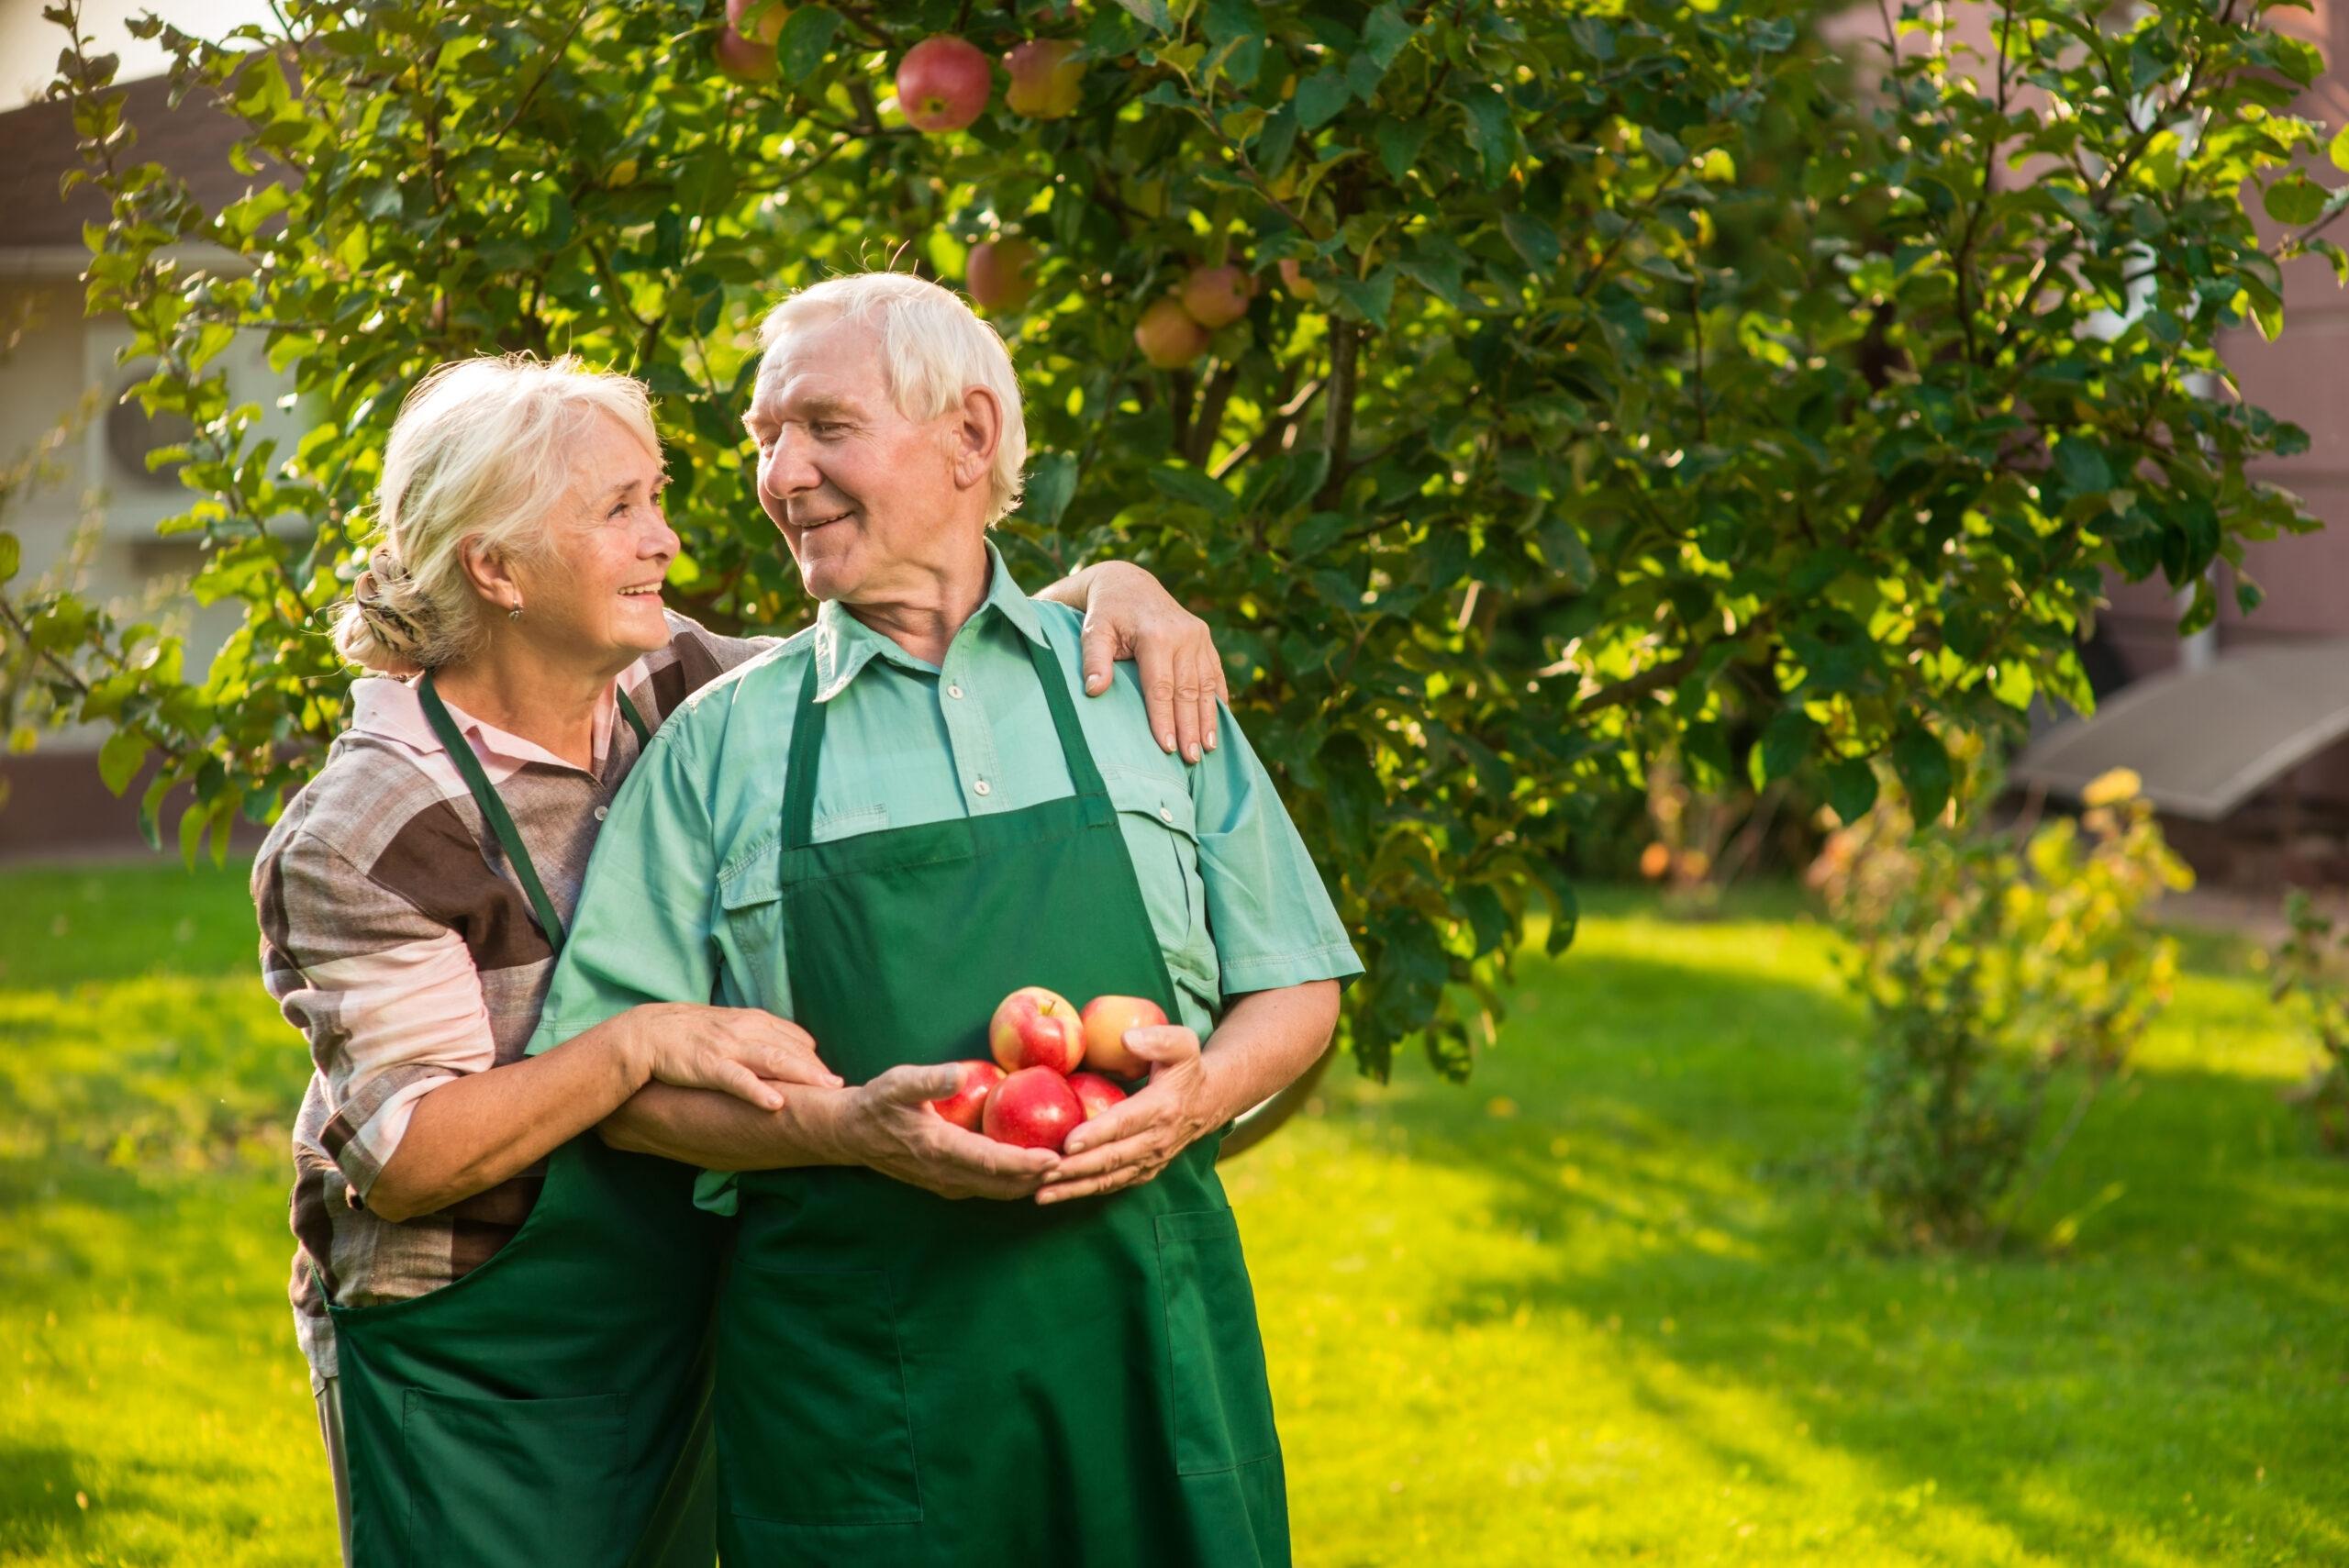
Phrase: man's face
(862, 494)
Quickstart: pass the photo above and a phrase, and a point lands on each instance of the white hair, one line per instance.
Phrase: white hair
(933, 350)
(478, 459)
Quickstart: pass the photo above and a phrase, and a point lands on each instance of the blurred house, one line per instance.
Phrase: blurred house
(105, 503)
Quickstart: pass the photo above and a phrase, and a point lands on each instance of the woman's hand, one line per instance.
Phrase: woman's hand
(741, 1051)
(887, 1125)
(1129, 1143)
(1130, 615)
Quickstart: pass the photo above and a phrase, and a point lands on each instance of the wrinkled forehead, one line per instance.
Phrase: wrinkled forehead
(829, 361)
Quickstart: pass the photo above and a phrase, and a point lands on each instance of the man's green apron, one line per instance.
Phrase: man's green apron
(905, 1380)
(552, 1406)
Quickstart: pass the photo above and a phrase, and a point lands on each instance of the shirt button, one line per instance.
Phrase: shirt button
(601, 812)
(980, 788)
(955, 692)
(1164, 815)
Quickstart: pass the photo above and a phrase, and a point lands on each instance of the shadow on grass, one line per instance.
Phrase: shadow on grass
(2178, 1375)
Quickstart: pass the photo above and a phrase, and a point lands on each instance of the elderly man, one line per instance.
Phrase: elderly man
(879, 829)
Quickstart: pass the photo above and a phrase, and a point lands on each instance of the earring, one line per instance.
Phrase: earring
(514, 613)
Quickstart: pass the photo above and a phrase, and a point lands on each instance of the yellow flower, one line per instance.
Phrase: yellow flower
(2111, 788)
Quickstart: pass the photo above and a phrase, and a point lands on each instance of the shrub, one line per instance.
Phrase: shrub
(2311, 972)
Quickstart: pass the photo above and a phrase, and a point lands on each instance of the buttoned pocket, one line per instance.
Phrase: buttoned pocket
(750, 930)
(812, 1422)
(1223, 1407)
(513, 1483)
(1161, 833)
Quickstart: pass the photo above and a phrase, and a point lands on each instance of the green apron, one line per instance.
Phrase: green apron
(552, 1406)
(904, 1380)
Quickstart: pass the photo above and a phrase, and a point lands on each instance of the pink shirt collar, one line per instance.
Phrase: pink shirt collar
(389, 708)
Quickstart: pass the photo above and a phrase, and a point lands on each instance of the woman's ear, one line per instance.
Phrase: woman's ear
(974, 434)
(492, 577)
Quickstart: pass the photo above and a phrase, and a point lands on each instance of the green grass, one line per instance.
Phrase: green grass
(1606, 1304)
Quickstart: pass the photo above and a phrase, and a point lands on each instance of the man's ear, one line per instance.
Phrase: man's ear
(975, 431)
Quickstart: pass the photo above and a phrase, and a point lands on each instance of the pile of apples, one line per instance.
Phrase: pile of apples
(1032, 1094)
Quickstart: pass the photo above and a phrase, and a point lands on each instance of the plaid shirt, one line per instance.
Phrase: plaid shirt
(395, 938)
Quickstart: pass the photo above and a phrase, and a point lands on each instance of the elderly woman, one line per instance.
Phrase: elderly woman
(1072, 1374)
(507, 1320)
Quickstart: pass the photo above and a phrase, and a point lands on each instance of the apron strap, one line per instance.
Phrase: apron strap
(1074, 748)
(635, 721)
(501, 823)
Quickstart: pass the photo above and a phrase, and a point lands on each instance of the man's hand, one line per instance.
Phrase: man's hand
(1129, 1143)
(742, 1051)
(1130, 615)
(888, 1126)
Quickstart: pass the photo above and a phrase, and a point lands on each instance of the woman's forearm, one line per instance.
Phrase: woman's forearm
(475, 1132)
(718, 1132)
(1266, 1039)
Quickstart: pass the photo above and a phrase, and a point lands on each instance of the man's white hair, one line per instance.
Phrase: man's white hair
(933, 350)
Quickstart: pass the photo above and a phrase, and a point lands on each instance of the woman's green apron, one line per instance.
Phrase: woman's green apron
(552, 1406)
(904, 1380)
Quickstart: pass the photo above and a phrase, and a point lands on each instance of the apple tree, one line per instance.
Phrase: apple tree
(1522, 390)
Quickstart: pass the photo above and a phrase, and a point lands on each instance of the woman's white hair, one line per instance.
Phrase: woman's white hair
(479, 459)
(933, 350)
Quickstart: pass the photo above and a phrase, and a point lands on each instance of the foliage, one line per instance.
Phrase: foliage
(1989, 971)
(1652, 394)
(2311, 970)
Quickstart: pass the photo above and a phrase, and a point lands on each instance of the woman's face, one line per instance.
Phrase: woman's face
(598, 599)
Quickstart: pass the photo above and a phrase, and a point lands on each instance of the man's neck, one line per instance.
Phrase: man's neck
(922, 614)
(514, 688)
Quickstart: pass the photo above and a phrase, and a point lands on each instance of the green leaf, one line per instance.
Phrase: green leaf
(1371, 297)
(2295, 200)
(806, 38)
(1923, 766)
(1534, 240)
(119, 759)
(1189, 487)
(1052, 483)
(1386, 33)
(1319, 97)
(1398, 145)
(1850, 788)
(1785, 742)
(2339, 148)
(11, 556)
(1566, 909)
(1488, 130)
(1150, 12)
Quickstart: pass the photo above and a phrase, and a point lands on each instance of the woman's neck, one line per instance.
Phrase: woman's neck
(547, 702)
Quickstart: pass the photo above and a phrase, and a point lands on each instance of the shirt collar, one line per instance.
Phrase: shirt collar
(845, 645)
(392, 710)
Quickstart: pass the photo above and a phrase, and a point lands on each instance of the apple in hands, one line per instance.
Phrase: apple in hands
(1094, 1093)
(1106, 1021)
(967, 1104)
(1036, 1028)
(1033, 1108)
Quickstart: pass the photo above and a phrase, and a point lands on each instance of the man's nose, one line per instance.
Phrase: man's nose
(788, 469)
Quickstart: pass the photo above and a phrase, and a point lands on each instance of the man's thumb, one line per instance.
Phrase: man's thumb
(918, 1085)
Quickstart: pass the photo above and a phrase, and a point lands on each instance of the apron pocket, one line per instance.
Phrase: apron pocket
(1223, 1411)
(812, 1424)
(513, 1483)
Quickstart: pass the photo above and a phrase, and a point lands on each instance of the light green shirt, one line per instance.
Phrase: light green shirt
(681, 902)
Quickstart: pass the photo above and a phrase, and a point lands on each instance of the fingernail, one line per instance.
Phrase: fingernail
(1195, 751)
(1167, 742)
(1094, 683)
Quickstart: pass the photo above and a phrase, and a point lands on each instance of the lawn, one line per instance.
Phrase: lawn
(1607, 1304)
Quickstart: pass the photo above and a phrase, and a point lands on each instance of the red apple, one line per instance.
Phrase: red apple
(1094, 1093)
(1046, 85)
(1034, 1108)
(1001, 273)
(963, 1107)
(1036, 1028)
(1293, 278)
(743, 59)
(943, 83)
(764, 19)
(1106, 1020)
(1167, 336)
(1216, 296)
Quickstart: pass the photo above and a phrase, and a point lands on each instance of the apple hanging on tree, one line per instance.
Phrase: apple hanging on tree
(1167, 336)
(1001, 273)
(760, 21)
(1046, 84)
(1216, 296)
(942, 85)
(743, 59)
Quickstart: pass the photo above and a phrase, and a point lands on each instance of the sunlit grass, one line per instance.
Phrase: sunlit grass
(1608, 1303)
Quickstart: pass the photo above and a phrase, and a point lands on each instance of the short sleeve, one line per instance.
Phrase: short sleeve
(1268, 914)
(642, 931)
(387, 997)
